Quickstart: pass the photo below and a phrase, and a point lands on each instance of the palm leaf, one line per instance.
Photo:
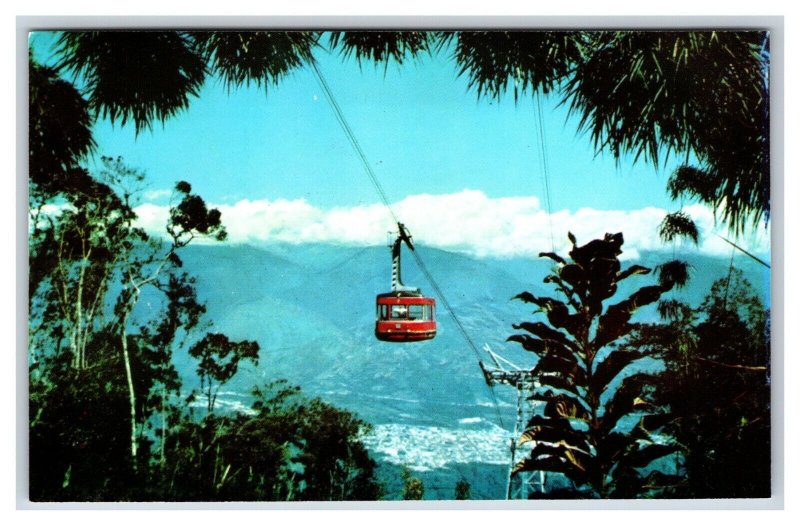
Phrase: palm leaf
(260, 57)
(382, 46)
(678, 225)
(140, 76)
(673, 274)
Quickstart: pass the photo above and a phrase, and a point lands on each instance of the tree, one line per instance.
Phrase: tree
(218, 361)
(102, 379)
(413, 487)
(589, 386)
(59, 132)
(463, 490)
(717, 386)
(92, 263)
(651, 94)
(337, 466)
(287, 448)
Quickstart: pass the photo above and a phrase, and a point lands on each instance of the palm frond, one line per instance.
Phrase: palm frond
(382, 46)
(140, 76)
(678, 225)
(673, 274)
(258, 57)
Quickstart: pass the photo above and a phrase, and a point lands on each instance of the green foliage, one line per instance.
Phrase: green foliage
(218, 361)
(673, 274)
(677, 225)
(381, 46)
(587, 381)
(139, 76)
(287, 448)
(59, 131)
(645, 93)
(413, 487)
(105, 422)
(717, 386)
(463, 490)
(524, 61)
(78, 446)
(260, 57)
(648, 92)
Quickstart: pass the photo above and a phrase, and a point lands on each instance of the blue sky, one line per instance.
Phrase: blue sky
(423, 131)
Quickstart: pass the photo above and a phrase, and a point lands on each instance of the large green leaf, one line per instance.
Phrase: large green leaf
(556, 342)
(642, 456)
(559, 381)
(552, 464)
(576, 277)
(653, 422)
(564, 406)
(548, 395)
(633, 270)
(614, 322)
(607, 248)
(529, 343)
(554, 431)
(554, 365)
(626, 398)
(579, 459)
(611, 448)
(602, 274)
(557, 312)
(555, 257)
(565, 289)
(611, 366)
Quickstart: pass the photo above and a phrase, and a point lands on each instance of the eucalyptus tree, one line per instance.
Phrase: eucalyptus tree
(101, 363)
(218, 361)
(97, 263)
(286, 448)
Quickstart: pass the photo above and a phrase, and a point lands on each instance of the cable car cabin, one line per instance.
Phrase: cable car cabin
(405, 317)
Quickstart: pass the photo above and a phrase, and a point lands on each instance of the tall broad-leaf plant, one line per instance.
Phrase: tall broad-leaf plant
(596, 422)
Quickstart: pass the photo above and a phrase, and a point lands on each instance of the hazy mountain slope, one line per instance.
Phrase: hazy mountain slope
(311, 308)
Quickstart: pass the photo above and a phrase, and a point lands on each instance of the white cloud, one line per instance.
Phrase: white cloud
(155, 195)
(467, 221)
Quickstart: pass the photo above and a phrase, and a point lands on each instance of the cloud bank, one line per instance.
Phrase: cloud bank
(468, 221)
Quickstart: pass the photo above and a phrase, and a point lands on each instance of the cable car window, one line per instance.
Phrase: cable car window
(416, 312)
(399, 312)
(383, 312)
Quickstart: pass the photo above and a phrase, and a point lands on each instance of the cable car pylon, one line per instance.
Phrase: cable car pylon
(519, 484)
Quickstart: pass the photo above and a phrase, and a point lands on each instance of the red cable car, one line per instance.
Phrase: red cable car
(404, 314)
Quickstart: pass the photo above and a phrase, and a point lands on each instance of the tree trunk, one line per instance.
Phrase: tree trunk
(131, 391)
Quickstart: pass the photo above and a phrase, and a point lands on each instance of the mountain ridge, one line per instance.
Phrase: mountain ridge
(311, 308)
